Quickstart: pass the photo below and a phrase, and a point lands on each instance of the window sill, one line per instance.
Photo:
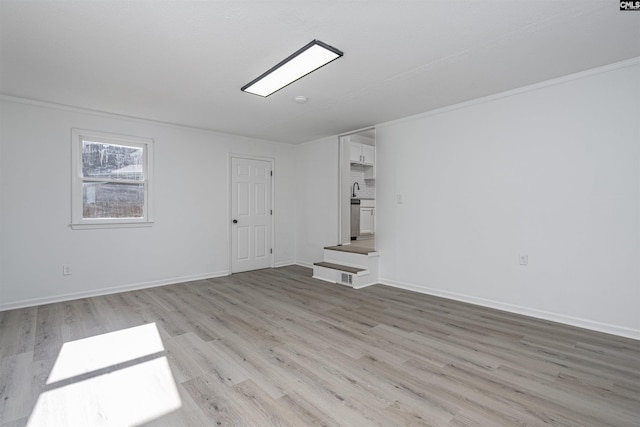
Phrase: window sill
(89, 226)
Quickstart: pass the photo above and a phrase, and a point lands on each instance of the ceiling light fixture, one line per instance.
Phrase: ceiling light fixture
(302, 62)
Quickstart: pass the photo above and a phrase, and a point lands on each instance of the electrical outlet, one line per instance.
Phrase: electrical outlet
(66, 270)
(524, 259)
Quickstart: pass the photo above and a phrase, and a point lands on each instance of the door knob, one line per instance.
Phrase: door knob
(235, 221)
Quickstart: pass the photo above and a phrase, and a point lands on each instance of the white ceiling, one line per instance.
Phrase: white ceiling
(184, 62)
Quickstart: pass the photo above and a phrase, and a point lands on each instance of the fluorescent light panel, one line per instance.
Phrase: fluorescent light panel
(304, 61)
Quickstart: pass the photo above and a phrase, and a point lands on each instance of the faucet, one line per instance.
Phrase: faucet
(355, 184)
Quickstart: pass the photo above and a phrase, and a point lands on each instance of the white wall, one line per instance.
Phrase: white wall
(552, 172)
(189, 240)
(317, 198)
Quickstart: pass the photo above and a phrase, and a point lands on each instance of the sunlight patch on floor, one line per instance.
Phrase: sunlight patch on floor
(101, 351)
(88, 388)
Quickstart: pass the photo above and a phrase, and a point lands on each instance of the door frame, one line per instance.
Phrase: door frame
(272, 161)
(344, 212)
(344, 182)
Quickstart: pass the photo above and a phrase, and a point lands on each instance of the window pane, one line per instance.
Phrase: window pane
(112, 200)
(112, 162)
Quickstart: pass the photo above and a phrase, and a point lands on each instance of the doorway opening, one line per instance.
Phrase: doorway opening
(357, 192)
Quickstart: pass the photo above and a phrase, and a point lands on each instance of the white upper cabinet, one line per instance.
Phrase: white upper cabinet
(368, 155)
(362, 154)
(355, 152)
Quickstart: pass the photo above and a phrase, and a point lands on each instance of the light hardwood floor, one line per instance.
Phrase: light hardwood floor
(275, 347)
(369, 243)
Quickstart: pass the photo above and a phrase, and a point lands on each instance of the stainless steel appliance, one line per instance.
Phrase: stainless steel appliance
(355, 218)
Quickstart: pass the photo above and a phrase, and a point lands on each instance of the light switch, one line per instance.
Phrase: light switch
(399, 199)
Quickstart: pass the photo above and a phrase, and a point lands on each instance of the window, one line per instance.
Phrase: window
(111, 180)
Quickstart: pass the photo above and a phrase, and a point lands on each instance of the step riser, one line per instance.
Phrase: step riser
(333, 276)
(351, 259)
(342, 278)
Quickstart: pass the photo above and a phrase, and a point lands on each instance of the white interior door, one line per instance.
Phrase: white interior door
(250, 214)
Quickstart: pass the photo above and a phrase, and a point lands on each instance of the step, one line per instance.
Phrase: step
(348, 265)
(352, 259)
(346, 275)
(352, 249)
(340, 267)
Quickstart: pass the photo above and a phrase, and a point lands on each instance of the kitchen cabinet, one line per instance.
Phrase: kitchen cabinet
(368, 155)
(367, 217)
(362, 154)
(355, 151)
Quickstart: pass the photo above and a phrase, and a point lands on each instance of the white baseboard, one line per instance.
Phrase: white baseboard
(284, 264)
(107, 291)
(304, 264)
(526, 311)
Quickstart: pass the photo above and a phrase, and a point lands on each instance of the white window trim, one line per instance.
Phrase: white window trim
(77, 221)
